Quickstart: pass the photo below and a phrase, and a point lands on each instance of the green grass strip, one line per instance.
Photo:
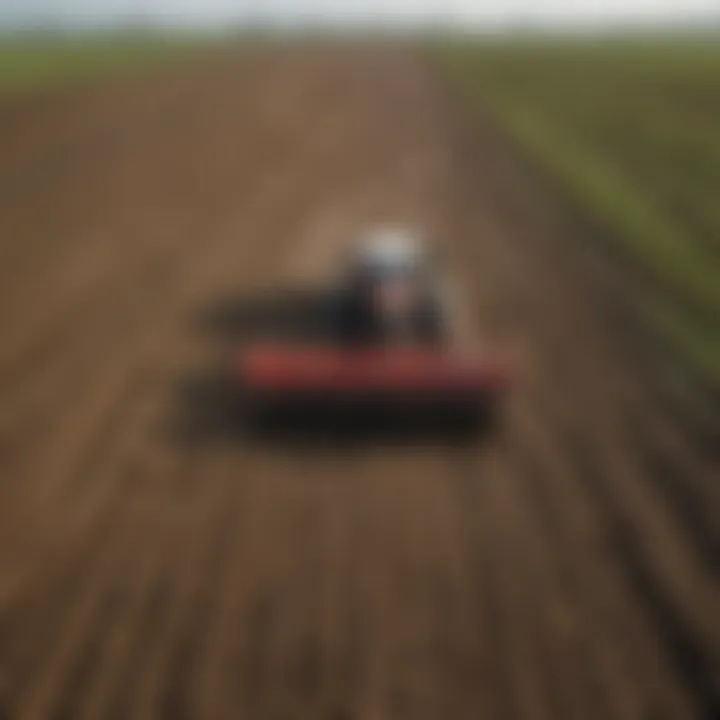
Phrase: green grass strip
(33, 64)
(690, 312)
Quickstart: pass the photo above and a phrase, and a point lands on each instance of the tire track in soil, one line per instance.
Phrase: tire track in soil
(84, 613)
(586, 575)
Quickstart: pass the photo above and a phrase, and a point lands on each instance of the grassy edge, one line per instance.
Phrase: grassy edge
(636, 225)
(35, 65)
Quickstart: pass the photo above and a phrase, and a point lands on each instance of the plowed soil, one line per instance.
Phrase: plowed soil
(155, 565)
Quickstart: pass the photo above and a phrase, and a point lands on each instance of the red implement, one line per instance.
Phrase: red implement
(289, 369)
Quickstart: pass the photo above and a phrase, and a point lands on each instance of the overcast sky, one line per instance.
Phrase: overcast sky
(470, 11)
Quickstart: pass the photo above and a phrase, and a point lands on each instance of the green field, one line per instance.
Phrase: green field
(38, 62)
(631, 129)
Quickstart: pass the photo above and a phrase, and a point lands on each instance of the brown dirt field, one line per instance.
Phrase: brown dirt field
(564, 567)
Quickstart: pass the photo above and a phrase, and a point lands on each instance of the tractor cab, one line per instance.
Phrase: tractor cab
(386, 296)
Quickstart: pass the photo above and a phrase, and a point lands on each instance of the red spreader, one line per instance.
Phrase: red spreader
(349, 372)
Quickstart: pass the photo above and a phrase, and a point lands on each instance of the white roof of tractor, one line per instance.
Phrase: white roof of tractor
(391, 249)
